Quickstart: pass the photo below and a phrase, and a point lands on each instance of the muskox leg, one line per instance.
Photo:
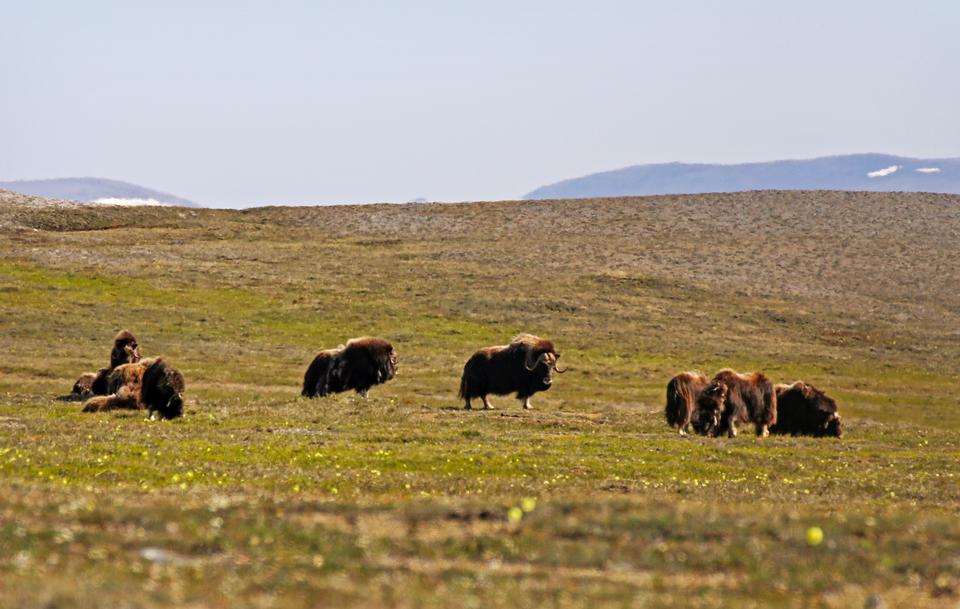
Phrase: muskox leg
(486, 403)
(526, 404)
(467, 406)
(731, 428)
(762, 431)
(363, 393)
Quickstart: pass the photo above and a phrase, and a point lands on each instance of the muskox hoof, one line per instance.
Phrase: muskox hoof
(467, 406)
(682, 431)
(763, 432)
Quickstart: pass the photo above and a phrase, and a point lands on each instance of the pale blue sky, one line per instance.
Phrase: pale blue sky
(240, 103)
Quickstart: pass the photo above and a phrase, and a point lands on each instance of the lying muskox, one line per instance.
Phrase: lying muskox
(802, 409)
(525, 366)
(83, 387)
(684, 392)
(750, 398)
(358, 365)
(150, 384)
(125, 351)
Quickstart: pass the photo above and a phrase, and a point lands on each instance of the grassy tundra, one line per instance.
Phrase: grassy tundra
(259, 497)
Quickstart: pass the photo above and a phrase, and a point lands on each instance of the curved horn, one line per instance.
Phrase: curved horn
(542, 357)
(557, 369)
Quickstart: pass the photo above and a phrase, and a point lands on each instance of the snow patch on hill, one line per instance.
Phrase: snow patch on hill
(128, 202)
(883, 172)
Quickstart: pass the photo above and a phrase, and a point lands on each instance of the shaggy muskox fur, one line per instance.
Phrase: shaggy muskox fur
(125, 349)
(750, 398)
(126, 398)
(684, 392)
(802, 409)
(83, 388)
(525, 366)
(126, 374)
(358, 365)
(161, 389)
(315, 378)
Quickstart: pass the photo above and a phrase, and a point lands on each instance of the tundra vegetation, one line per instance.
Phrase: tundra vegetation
(260, 497)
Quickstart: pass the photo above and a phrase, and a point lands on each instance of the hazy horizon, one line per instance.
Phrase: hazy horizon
(313, 103)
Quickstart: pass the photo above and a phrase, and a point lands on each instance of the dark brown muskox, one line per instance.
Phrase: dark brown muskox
(804, 410)
(750, 398)
(125, 350)
(358, 365)
(161, 389)
(92, 383)
(525, 366)
(684, 392)
(83, 388)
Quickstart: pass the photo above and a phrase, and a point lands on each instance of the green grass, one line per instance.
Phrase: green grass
(258, 497)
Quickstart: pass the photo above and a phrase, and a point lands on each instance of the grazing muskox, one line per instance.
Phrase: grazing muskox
(161, 389)
(684, 393)
(125, 349)
(750, 398)
(525, 366)
(802, 409)
(358, 365)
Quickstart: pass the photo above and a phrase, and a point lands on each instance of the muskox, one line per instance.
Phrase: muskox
(525, 366)
(83, 387)
(358, 365)
(750, 398)
(125, 350)
(126, 398)
(804, 410)
(161, 389)
(684, 392)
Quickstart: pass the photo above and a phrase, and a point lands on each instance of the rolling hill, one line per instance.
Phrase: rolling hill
(866, 172)
(95, 190)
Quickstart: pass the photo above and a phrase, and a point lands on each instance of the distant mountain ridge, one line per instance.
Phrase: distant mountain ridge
(871, 172)
(95, 190)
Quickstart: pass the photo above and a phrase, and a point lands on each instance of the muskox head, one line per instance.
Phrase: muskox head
(541, 358)
(710, 405)
(833, 427)
(125, 349)
(818, 401)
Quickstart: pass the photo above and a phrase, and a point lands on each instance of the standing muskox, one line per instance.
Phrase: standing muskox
(802, 409)
(750, 398)
(525, 366)
(358, 365)
(684, 392)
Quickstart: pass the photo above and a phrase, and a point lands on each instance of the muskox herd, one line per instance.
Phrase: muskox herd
(131, 382)
(713, 406)
(524, 366)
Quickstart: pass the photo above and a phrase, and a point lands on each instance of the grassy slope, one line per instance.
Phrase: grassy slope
(261, 498)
